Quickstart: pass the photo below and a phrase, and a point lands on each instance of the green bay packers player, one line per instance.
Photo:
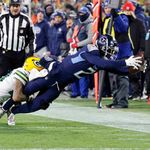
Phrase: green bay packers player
(11, 86)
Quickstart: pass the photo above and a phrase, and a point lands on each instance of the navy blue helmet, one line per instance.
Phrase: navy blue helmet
(107, 46)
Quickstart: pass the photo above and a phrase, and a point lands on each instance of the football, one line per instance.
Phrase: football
(133, 70)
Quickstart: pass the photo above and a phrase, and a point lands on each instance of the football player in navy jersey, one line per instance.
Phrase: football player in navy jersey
(87, 60)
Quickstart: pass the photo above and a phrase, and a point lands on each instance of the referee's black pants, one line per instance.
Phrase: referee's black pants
(10, 60)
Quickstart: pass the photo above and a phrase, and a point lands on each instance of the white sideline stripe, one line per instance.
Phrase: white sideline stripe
(134, 121)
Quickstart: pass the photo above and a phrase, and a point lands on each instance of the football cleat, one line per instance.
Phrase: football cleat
(10, 119)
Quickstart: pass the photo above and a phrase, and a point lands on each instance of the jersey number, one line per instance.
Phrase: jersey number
(82, 73)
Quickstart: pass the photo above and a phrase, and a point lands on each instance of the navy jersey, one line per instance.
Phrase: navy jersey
(87, 61)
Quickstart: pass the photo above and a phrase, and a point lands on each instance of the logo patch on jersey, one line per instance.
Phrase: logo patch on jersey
(59, 30)
(37, 30)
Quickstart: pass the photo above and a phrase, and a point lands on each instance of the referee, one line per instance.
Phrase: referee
(16, 34)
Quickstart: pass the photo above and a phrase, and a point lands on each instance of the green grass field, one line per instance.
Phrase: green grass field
(34, 132)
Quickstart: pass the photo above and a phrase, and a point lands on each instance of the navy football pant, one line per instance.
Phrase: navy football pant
(40, 102)
(36, 85)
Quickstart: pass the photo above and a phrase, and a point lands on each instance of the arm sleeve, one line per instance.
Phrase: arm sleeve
(69, 34)
(17, 92)
(21, 75)
(118, 67)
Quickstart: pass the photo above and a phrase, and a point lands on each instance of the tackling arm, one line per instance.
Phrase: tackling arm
(17, 92)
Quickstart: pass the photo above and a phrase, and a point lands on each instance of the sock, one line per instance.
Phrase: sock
(8, 104)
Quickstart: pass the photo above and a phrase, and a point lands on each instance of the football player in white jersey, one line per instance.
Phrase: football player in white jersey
(11, 86)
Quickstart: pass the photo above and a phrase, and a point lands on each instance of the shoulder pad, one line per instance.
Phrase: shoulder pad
(21, 75)
(22, 70)
(91, 47)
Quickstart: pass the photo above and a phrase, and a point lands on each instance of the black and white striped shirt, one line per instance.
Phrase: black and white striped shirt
(16, 32)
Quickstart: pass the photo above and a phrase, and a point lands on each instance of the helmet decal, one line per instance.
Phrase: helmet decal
(103, 40)
(36, 63)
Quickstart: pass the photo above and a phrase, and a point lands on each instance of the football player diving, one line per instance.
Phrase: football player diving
(87, 60)
(12, 85)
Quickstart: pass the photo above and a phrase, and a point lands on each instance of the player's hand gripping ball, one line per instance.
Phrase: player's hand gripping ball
(132, 69)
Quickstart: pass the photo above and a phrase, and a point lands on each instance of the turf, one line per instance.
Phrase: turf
(41, 132)
(135, 106)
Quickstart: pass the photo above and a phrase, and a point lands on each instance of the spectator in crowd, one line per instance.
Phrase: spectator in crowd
(16, 34)
(78, 36)
(119, 30)
(34, 7)
(68, 8)
(34, 16)
(1, 7)
(139, 12)
(137, 38)
(42, 37)
(147, 57)
(25, 10)
(57, 34)
(79, 4)
(49, 10)
(6, 5)
(71, 19)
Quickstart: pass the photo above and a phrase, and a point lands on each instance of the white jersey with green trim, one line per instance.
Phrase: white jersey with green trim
(8, 84)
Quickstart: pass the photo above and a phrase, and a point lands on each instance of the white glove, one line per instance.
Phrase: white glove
(72, 51)
(34, 73)
(134, 62)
